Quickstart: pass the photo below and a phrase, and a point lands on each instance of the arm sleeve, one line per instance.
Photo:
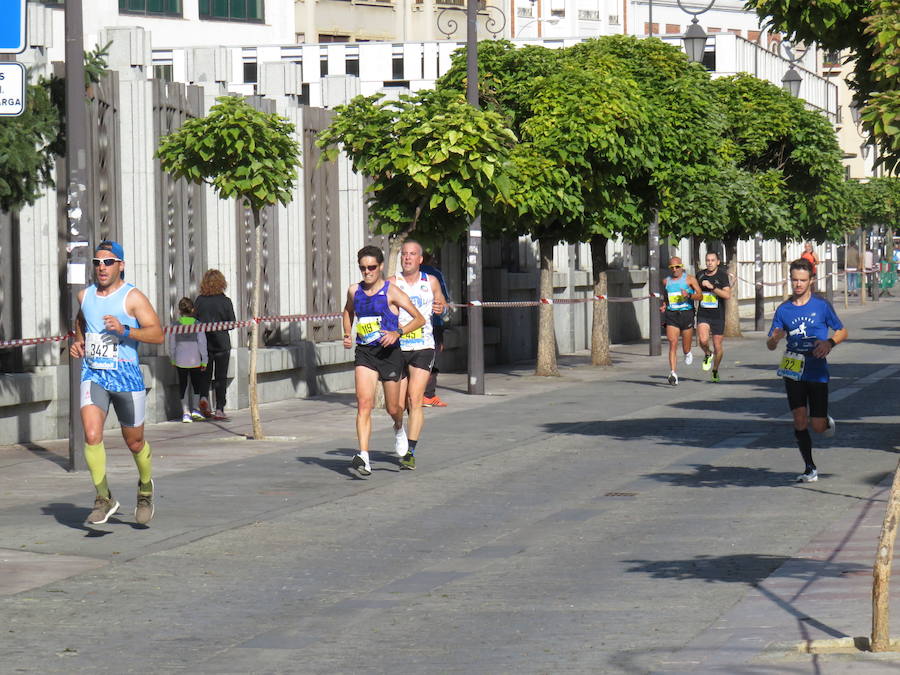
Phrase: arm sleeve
(777, 322)
(229, 309)
(201, 342)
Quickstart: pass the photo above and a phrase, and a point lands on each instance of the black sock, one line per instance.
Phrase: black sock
(412, 446)
(804, 442)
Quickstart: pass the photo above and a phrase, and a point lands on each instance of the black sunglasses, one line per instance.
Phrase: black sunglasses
(108, 262)
(368, 268)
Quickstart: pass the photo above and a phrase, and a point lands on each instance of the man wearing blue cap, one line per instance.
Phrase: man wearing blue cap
(114, 317)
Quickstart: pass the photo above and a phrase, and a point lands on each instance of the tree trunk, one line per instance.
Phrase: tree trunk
(546, 353)
(732, 305)
(880, 641)
(600, 322)
(786, 291)
(254, 330)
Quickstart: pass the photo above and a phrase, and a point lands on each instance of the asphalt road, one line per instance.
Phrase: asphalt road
(597, 522)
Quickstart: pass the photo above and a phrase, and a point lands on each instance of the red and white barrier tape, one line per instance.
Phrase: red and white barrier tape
(22, 342)
(786, 282)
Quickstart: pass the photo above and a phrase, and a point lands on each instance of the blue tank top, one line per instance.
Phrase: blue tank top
(373, 315)
(675, 288)
(110, 360)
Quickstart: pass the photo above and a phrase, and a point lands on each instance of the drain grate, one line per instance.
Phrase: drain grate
(620, 494)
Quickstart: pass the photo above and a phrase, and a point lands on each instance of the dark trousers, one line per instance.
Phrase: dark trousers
(217, 375)
(195, 375)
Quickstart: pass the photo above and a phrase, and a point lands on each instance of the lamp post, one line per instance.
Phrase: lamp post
(78, 225)
(792, 80)
(473, 244)
(695, 37)
(552, 21)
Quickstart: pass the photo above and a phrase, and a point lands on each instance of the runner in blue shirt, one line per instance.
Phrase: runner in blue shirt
(805, 320)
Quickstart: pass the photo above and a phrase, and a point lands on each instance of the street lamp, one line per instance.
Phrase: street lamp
(552, 21)
(791, 81)
(694, 37)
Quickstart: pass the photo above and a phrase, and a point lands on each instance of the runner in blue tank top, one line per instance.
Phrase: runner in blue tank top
(114, 317)
(806, 320)
(375, 305)
(677, 305)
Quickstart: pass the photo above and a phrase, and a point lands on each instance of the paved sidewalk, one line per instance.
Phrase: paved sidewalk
(821, 591)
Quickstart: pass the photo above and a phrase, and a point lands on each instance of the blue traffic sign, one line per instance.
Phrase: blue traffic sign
(12, 26)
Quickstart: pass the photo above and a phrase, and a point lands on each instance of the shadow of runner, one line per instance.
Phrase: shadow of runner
(341, 465)
(751, 569)
(74, 516)
(709, 476)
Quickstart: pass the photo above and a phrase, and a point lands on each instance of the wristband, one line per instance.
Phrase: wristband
(127, 331)
(833, 343)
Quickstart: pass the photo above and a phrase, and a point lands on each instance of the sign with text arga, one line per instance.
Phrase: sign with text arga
(12, 89)
(12, 26)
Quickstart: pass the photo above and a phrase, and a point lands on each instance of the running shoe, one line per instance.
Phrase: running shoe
(689, 358)
(361, 465)
(829, 432)
(707, 361)
(104, 507)
(197, 416)
(205, 409)
(401, 443)
(433, 402)
(810, 476)
(186, 418)
(145, 509)
(408, 462)
(673, 379)
(220, 416)
(715, 376)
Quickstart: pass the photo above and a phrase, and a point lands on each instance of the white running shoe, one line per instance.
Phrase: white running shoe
(361, 465)
(673, 378)
(689, 358)
(829, 432)
(401, 443)
(810, 476)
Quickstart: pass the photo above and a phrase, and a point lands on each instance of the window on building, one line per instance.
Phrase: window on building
(164, 72)
(333, 37)
(232, 10)
(161, 7)
(352, 67)
(397, 68)
(250, 72)
(832, 58)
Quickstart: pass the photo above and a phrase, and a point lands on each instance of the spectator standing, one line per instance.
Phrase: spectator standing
(189, 356)
(432, 400)
(851, 267)
(809, 254)
(213, 305)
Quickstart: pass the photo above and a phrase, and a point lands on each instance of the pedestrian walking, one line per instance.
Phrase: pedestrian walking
(806, 320)
(188, 354)
(715, 287)
(374, 305)
(438, 321)
(416, 346)
(851, 267)
(114, 317)
(680, 291)
(213, 305)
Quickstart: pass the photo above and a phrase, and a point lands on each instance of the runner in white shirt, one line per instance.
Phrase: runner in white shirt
(418, 346)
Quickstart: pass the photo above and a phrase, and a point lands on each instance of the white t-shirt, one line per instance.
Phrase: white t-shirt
(423, 298)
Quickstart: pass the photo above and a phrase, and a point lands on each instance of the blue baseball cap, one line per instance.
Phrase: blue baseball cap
(113, 247)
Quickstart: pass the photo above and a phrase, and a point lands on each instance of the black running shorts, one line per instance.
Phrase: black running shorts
(681, 319)
(419, 358)
(803, 394)
(716, 323)
(386, 361)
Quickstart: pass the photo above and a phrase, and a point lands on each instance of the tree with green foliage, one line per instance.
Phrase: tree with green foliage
(788, 179)
(26, 160)
(583, 141)
(433, 159)
(869, 32)
(245, 154)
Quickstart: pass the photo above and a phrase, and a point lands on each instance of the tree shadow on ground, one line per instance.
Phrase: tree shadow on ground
(709, 476)
(753, 569)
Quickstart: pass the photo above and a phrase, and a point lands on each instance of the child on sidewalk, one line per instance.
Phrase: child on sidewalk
(189, 356)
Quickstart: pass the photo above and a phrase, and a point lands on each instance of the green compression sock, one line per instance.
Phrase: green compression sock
(144, 466)
(95, 457)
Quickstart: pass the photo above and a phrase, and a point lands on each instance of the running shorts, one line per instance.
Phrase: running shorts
(130, 406)
(802, 394)
(680, 318)
(419, 358)
(386, 361)
(716, 323)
